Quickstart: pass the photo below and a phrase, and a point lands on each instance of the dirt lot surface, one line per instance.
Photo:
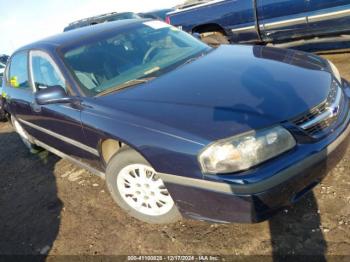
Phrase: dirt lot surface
(50, 206)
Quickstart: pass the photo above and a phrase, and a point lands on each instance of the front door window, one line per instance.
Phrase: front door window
(45, 72)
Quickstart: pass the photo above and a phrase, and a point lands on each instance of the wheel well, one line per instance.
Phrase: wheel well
(109, 148)
(209, 28)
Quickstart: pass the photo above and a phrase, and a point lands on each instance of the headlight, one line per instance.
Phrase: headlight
(335, 71)
(246, 150)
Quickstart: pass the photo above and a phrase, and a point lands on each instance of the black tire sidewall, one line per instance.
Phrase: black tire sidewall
(127, 156)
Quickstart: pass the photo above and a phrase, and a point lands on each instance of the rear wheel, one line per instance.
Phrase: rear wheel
(214, 39)
(26, 139)
(137, 188)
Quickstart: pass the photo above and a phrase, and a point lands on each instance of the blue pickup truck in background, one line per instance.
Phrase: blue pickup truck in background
(264, 21)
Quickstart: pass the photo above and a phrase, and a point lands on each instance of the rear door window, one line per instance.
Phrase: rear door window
(18, 77)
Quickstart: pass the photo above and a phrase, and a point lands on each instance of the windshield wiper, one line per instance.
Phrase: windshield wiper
(127, 84)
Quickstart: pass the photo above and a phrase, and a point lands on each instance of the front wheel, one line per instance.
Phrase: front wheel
(137, 188)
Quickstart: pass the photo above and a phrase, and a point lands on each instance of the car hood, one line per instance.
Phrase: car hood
(231, 90)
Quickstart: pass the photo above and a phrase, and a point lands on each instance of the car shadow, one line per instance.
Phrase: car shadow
(297, 232)
(29, 206)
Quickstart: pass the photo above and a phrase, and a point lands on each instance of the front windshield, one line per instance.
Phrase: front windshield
(149, 50)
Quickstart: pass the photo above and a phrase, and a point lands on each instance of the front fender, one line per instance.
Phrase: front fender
(165, 151)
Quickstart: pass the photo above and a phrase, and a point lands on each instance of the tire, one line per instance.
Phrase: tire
(214, 39)
(141, 194)
(25, 137)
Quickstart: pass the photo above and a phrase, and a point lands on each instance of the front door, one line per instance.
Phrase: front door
(57, 125)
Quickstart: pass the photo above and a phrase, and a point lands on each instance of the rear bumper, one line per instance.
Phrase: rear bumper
(255, 202)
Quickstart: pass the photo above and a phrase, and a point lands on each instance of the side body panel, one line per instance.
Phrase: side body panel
(236, 17)
(20, 102)
(282, 20)
(329, 17)
(59, 126)
(278, 20)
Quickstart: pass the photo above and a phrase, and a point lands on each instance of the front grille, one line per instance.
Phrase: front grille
(323, 115)
(316, 129)
(311, 115)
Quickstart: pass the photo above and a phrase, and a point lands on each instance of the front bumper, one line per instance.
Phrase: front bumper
(254, 202)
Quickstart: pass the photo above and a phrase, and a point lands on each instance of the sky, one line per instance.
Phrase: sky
(25, 21)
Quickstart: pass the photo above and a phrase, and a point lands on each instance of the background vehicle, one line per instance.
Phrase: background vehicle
(162, 13)
(177, 127)
(190, 3)
(101, 19)
(2, 68)
(4, 58)
(2, 112)
(157, 14)
(264, 21)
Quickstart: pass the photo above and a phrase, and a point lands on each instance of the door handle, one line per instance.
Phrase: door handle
(35, 107)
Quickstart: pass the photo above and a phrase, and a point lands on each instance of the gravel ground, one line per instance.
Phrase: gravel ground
(49, 206)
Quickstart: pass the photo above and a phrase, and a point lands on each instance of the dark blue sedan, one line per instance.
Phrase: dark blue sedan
(177, 128)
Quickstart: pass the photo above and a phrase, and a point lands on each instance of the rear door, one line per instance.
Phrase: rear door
(19, 93)
(329, 17)
(282, 20)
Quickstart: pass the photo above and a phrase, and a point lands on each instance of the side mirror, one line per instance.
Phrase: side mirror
(52, 95)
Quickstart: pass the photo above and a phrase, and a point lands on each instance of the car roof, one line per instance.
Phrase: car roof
(66, 38)
(4, 58)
